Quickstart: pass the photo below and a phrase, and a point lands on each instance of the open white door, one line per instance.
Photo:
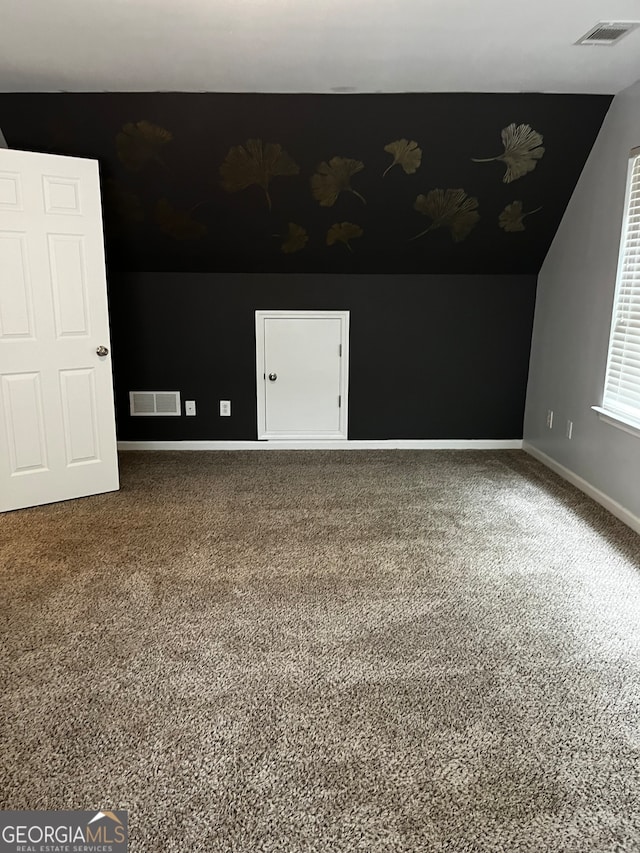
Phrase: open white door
(57, 425)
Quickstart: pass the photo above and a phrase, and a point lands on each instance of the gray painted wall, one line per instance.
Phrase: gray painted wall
(573, 317)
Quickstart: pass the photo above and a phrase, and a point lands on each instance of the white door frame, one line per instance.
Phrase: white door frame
(261, 379)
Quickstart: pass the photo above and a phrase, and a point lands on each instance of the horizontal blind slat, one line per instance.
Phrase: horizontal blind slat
(622, 394)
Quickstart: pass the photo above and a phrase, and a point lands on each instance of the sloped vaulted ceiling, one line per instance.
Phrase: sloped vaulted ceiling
(415, 183)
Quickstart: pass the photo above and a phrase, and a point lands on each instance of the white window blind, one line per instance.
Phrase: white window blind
(622, 383)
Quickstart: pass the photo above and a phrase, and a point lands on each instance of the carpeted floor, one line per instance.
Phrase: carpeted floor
(390, 652)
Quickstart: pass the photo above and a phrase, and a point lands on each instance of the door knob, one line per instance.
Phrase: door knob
(102, 351)
(273, 376)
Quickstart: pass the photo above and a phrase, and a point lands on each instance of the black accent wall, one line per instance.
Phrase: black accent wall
(258, 183)
(427, 215)
(430, 356)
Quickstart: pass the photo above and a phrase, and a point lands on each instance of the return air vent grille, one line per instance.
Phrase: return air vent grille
(608, 32)
(154, 403)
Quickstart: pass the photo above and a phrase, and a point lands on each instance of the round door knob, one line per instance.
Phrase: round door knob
(102, 351)
(273, 376)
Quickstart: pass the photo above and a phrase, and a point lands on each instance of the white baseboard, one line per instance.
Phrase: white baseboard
(332, 444)
(604, 500)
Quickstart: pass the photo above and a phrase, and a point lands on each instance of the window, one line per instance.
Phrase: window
(621, 398)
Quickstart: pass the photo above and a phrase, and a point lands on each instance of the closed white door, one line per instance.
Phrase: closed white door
(302, 363)
(57, 425)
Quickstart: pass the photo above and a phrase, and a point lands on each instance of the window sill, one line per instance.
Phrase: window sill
(618, 421)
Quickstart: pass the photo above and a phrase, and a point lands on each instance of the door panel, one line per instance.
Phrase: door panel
(16, 302)
(68, 284)
(79, 414)
(304, 353)
(22, 401)
(57, 432)
(61, 195)
(10, 191)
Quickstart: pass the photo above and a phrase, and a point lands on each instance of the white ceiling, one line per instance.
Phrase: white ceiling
(306, 46)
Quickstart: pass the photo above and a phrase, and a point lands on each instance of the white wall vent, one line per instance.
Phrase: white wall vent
(154, 403)
(608, 32)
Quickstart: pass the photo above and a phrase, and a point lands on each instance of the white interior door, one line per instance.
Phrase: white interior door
(57, 425)
(302, 362)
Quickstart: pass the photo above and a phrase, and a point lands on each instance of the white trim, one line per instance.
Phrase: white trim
(341, 434)
(625, 515)
(344, 444)
(618, 421)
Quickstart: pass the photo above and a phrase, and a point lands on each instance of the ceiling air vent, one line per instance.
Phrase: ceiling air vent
(154, 403)
(608, 32)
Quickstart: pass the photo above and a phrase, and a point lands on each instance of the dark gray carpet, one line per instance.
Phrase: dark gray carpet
(391, 652)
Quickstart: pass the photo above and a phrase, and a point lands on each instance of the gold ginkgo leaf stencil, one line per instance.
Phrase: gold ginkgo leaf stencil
(343, 232)
(139, 143)
(333, 178)
(512, 217)
(295, 239)
(177, 223)
(452, 209)
(522, 150)
(255, 163)
(405, 153)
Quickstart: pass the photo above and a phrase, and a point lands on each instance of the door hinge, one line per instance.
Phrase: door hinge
(339, 350)
(339, 400)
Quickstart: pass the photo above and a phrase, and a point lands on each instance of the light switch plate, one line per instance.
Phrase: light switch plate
(190, 407)
(225, 408)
